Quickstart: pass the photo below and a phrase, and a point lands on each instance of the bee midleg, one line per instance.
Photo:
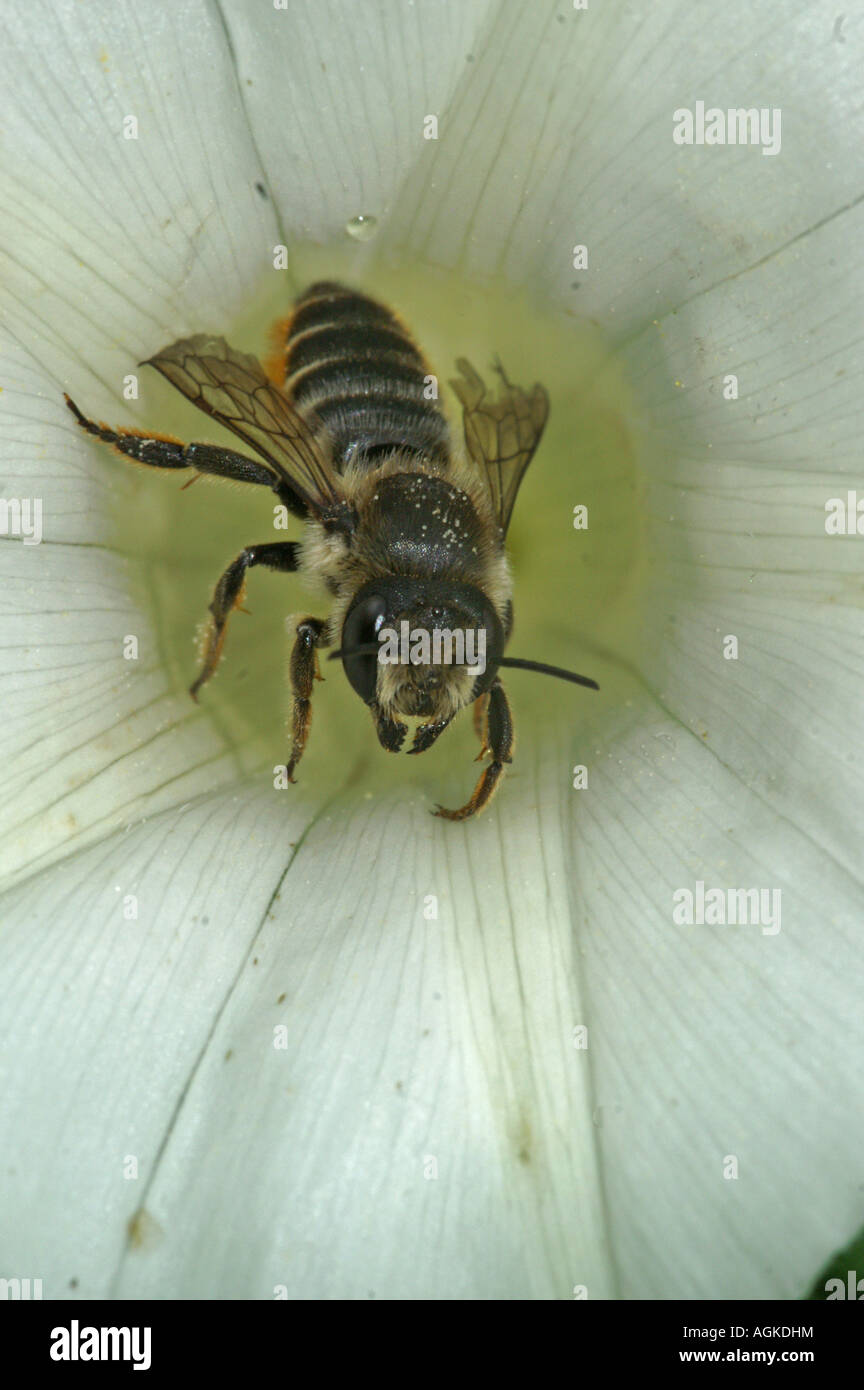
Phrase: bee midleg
(163, 451)
(228, 594)
(500, 735)
(303, 669)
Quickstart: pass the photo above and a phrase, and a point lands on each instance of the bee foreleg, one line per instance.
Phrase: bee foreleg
(303, 671)
(391, 732)
(276, 555)
(426, 734)
(499, 726)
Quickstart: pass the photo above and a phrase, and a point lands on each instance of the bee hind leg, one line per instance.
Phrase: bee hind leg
(164, 451)
(303, 671)
(228, 595)
(499, 732)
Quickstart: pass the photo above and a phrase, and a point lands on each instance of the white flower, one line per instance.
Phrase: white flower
(429, 1129)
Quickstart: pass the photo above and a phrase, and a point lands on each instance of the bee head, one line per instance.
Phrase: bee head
(423, 649)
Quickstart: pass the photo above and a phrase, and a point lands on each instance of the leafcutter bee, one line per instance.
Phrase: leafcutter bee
(406, 531)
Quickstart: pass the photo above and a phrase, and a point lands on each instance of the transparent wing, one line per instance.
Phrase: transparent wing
(501, 435)
(232, 388)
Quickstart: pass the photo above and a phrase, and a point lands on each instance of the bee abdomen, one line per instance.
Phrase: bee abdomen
(352, 364)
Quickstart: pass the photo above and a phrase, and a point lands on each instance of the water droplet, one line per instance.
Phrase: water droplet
(362, 227)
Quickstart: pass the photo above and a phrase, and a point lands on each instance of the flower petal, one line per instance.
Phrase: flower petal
(420, 1126)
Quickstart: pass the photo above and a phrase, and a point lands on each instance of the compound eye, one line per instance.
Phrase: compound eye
(362, 627)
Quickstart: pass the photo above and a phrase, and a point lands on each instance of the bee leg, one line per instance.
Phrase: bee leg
(391, 733)
(500, 734)
(481, 706)
(276, 555)
(426, 735)
(164, 451)
(303, 671)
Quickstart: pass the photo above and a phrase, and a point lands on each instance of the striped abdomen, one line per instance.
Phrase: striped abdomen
(351, 364)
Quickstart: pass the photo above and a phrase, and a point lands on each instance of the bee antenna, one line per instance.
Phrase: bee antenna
(518, 664)
(365, 649)
(514, 662)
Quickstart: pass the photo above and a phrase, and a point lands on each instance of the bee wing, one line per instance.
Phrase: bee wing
(232, 388)
(501, 436)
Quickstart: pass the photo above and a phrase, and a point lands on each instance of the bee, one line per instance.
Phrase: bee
(401, 525)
